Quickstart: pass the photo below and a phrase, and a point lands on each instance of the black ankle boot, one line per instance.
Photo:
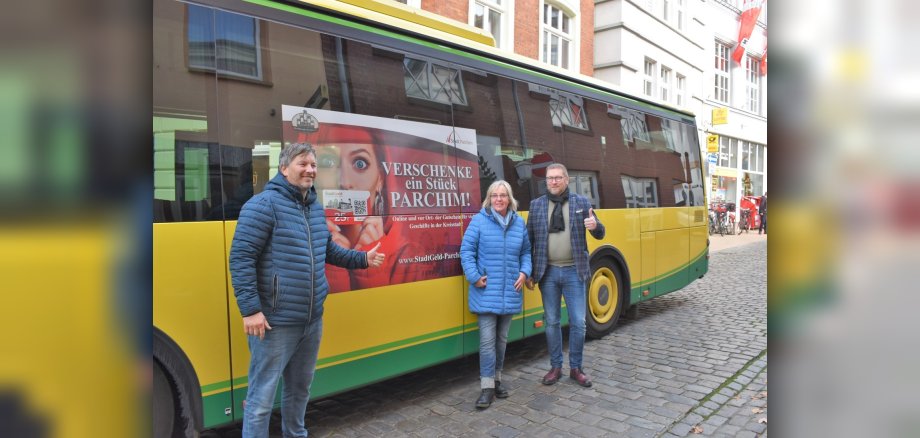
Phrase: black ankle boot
(485, 399)
(499, 391)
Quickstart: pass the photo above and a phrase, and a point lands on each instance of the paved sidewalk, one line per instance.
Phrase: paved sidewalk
(718, 243)
(691, 363)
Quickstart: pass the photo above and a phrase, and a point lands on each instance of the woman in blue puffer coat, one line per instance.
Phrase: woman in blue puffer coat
(495, 255)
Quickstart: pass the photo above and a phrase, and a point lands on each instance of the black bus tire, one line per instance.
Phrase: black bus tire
(164, 404)
(605, 298)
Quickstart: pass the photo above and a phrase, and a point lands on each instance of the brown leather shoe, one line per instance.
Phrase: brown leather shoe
(579, 376)
(552, 376)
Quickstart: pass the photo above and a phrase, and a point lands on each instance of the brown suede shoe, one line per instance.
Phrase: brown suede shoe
(552, 376)
(579, 376)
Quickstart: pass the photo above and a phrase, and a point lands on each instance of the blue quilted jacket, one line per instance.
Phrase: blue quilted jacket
(500, 254)
(279, 253)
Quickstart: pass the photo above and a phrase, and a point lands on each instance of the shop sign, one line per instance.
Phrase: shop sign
(720, 116)
(712, 143)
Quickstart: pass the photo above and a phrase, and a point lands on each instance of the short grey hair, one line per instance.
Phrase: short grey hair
(565, 172)
(293, 150)
(500, 183)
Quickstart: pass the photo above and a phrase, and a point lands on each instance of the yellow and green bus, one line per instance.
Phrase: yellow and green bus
(412, 119)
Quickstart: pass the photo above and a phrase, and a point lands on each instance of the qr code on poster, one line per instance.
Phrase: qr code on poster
(360, 207)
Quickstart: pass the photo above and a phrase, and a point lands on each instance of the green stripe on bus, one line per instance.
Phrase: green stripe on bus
(670, 281)
(214, 408)
(672, 272)
(677, 279)
(348, 375)
(387, 346)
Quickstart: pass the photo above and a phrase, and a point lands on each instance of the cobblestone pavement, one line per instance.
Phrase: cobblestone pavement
(691, 363)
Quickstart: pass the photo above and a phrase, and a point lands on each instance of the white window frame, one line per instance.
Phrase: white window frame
(640, 185)
(257, 43)
(561, 112)
(666, 10)
(722, 74)
(680, 14)
(584, 183)
(728, 152)
(752, 80)
(505, 39)
(649, 75)
(435, 90)
(664, 82)
(680, 87)
(547, 32)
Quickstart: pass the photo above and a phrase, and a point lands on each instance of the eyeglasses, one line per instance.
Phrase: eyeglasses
(499, 195)
(555, 178)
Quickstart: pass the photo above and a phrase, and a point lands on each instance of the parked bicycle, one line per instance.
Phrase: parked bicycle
(744, 221)
(713, 221)
(722, 218)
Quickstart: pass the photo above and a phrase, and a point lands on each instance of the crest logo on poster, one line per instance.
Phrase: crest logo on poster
(304, 121)
(451, 138)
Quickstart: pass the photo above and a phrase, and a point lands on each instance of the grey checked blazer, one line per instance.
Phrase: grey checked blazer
(538, 230)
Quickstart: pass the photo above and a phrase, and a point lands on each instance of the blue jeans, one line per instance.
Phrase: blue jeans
(287, 352)
(493, 338)
(560, 282)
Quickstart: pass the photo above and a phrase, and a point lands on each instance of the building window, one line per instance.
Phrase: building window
(430, 81)
(665, 83)
(746, 161)
(584, 184)
(489, 15)
(728, 152)
(640, 192)
(681, 86)
(224, 43)
(752, 156)
(721, 90)
(558, 37)
(568, 110)
(681, 12)
(632, 123)
(649, 80)
(752, 73)
(666, 10)
(413, 3)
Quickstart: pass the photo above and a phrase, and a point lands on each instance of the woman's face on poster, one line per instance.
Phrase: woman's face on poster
(350, 167)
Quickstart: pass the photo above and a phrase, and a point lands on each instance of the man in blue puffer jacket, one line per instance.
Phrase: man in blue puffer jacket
(495, 255)
(277, 264)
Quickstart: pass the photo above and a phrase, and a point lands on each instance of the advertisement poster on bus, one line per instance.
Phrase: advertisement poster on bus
(410, 186)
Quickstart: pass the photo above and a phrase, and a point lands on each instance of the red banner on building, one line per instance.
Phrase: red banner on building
(749, 13)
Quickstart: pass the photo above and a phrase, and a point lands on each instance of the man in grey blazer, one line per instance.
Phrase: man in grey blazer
(556, 227)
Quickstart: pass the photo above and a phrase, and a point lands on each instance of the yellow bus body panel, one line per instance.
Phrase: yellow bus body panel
(189, 297)
(366, 322)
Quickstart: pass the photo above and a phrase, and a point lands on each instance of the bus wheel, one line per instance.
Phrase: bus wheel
(605, 298)
(164, 404)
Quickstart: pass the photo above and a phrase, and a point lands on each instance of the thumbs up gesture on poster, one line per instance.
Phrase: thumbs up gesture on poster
(375, 259)
(590, 221)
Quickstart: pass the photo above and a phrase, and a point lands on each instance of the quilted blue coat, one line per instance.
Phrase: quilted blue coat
(279, 253)
(500, 254)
